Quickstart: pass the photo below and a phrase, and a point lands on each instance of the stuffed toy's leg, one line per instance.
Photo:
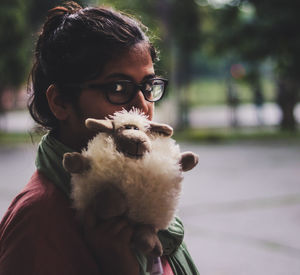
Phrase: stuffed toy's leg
(146, 240)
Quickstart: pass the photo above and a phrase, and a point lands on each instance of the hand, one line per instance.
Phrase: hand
(110, 243)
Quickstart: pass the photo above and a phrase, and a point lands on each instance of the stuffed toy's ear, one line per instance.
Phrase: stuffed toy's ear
(163, 129)
(100, 125)
(75, 163)
(188, 161)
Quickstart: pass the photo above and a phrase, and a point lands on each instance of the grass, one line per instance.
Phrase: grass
(227, 135)
(18, 138)
(215, 135)
(213, 92)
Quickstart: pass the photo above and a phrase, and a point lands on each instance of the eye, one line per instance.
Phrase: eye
(128, 127)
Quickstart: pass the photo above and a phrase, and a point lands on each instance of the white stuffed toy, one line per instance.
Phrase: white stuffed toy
(131, 168)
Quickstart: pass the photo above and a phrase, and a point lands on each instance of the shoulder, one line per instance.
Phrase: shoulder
(41, 233)
(38, 198)
(38, 202)
(35, 207)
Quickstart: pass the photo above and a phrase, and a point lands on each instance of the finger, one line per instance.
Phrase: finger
(126, 233)
(118, 225)
(110, 227)
(90, 220)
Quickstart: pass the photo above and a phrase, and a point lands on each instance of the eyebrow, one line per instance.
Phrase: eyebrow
(128, 77)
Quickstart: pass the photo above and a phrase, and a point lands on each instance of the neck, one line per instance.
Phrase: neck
(72, 140)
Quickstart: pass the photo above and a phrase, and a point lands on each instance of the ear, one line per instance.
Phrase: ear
(57, 105)
(163, 129)
(188, 161)
(100, 125)
(75, 163)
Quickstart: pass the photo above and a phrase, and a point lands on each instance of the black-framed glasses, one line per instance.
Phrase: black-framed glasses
(123, 91)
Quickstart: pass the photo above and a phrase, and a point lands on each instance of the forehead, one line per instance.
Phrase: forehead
(136, 63)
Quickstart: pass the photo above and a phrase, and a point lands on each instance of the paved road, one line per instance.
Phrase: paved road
(16, 167)
(240, 206)
(241, 209)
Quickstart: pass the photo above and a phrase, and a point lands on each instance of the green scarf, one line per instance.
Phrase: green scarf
(49, 162)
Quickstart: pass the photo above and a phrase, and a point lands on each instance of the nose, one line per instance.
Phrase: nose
(141, 103)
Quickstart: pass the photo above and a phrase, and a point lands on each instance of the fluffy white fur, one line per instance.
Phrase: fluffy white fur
(152, 184)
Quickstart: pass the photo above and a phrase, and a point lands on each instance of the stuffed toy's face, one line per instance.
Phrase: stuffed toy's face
(131, 141)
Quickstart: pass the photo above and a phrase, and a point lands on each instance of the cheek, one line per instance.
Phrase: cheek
(92, 104)
(150, 111)
(95, 105)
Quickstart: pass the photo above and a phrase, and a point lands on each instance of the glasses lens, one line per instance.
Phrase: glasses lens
(120, 92)
(154, 89)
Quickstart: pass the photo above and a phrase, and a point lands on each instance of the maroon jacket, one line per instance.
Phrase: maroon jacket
(39, 234)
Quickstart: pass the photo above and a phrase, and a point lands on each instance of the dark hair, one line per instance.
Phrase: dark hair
(74, 46)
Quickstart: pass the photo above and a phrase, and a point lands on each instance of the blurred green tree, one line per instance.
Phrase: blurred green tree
(278, 22)
(185, 38)
(254, 30)
(14, 47)
(19, 22)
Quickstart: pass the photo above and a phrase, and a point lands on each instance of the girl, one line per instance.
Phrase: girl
(89, 62)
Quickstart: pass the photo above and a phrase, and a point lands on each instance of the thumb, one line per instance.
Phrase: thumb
(89, 219)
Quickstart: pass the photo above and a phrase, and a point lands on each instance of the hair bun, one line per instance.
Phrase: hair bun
(67, 9)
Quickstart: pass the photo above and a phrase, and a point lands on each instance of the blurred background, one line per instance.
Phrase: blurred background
(233, 98)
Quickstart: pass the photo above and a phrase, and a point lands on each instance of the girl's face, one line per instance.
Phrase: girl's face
(135, 65)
